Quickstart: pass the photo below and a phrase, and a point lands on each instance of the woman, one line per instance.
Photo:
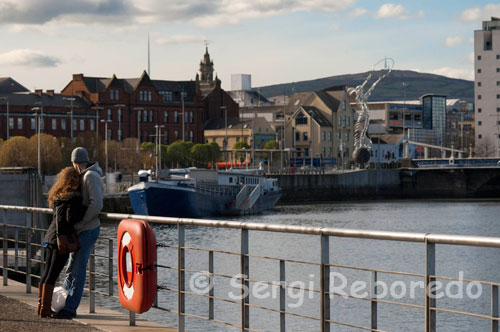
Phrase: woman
(66, 200)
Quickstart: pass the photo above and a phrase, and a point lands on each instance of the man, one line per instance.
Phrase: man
(87, 230)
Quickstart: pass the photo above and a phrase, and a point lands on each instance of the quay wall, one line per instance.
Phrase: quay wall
(391, 184)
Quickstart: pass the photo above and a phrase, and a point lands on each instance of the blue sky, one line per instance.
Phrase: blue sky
(276, 41)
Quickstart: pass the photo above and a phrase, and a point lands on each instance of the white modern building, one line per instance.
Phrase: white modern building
(487, 88)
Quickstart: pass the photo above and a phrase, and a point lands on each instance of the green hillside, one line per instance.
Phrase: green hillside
(391, 88)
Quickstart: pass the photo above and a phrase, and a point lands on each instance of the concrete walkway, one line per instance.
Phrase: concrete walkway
(103, 319)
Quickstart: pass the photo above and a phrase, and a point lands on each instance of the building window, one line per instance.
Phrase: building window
(176, 134)
(82, 124)
(54, 124)
(323, 136)
(498, 56)
(191, 117)
(141, 95)
(306, 152)
(166, 136)
(74, 124)
(498, 83)
(498, 109)
(112, 94)
(479, 70)
(176, 117)
(63, 124)
(305, 136)
(347, 136)
(110, 134)
(498, 70)
(498, 96)
(479, 123)
(151, 117)
(92, 125)
(478, 96)
(19, 123)
(165, 116)
(301, 119)
(42, 124)
(33, 123)
(110, 114)
(120, 117)
(480, 136)
(191, 135)
(117, 94)
(343, 105)
(120, 136)
(479, 57)
(11, 123)
(348, 121)
(185, 115)
(478, 83)
(145, 116)
(330, 136)
(479, 110)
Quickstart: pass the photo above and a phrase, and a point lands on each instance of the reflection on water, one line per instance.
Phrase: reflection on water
(450, 217)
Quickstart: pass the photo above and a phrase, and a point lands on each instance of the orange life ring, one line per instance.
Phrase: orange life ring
(136, 265)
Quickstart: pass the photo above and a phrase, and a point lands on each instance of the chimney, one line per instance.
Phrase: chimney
(39, 92)
(50, 93)
(77, 77)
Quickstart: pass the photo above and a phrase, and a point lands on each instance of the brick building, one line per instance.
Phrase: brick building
(135, 106)
(18, 107)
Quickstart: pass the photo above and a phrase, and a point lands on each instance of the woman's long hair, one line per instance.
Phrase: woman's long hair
(68, 181)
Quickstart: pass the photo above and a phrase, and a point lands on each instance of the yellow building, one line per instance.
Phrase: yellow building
(320, 125)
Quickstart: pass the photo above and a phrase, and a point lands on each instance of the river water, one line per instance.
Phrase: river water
(446, 217)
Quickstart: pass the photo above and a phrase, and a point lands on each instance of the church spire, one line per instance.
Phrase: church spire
(206, 68)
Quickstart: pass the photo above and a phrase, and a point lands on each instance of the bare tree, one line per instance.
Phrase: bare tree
(50, 153)
(485, 148)
(15, 152)
(129, 157)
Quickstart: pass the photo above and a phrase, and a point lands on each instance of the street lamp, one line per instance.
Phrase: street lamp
(138, 109)
(225, 134)
(119, 120)
(97, 109)
(36, 109)
(106, 148)
(71, 99)
(183, 117)
(158, 149)
(405, 84)
(7, 103)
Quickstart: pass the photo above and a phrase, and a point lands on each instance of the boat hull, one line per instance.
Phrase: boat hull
(184, 201)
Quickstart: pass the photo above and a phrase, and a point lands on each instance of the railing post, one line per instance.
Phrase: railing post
(180, 278)
(16, 249)
(28, 253)
(282, 297)
(373, 309)
(92, 282)
(4, 245)
(430, 299)
(325, 283)
(131, 318)
(211, 284)
(110, 267)
(494, 308)
(244, 271)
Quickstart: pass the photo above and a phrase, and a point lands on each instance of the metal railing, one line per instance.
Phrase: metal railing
(324, 265)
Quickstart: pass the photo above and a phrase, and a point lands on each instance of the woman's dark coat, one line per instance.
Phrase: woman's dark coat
(67, 211)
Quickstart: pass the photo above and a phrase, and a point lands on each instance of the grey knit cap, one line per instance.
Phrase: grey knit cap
(79, 155)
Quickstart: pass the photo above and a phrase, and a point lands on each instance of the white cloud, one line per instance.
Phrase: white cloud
(28, 58)
(464, 74)
(357, 12)
(480, 14)
(390, 10)
(126, 12)
(179, 39)
(452, 41)
(420, 14)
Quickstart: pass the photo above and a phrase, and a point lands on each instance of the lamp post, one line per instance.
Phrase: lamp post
(119, 121)
(405, 84)
(97, 109)
(71, 99)
(7, 103)
(106, 148)
(138, 109)
(36, 109)
(225, 133)
(183, 117)
(158, 147)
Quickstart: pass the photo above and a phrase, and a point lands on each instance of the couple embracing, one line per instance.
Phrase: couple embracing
(76, 198)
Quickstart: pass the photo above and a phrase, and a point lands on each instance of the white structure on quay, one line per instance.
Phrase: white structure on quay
(487, 87)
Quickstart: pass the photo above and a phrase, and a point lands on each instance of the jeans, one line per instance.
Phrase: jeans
(77, 269)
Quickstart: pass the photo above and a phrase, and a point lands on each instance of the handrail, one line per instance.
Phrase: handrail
(465, 240)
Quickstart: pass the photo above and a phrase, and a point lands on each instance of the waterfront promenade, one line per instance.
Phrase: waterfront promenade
(18, 313)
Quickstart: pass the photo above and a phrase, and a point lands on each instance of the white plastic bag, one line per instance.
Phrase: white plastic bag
(59, 298)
